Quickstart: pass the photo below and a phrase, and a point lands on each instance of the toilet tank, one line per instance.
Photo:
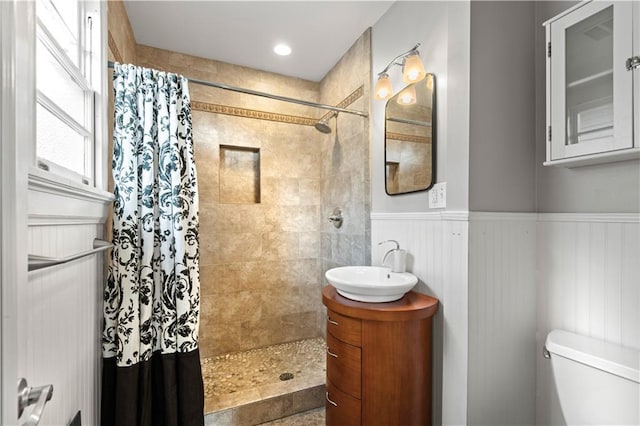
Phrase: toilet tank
(598, 383)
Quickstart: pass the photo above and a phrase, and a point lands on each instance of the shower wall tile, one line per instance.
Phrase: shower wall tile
(303, 271)
(233, 307)
(281, 190)
(226, 277)
(310, 192)
(300, 218)
(309, 245)
(216, 339)
(283, 328)
(262, 264)
(236, 218)
(290, 300)
(280, 245)
(231, 246)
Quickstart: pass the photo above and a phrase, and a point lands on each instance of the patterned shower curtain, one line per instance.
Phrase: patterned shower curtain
(151, 365)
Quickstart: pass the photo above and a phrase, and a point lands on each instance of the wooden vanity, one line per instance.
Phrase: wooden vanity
(378, 360)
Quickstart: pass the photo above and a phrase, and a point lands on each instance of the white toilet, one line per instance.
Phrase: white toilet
(598, 383)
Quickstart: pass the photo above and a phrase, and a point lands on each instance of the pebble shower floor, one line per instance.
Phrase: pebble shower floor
(241, 373)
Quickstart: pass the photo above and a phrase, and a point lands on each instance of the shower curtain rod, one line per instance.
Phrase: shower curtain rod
(269, 95)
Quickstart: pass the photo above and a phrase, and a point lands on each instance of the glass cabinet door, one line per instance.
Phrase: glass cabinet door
(591, 90)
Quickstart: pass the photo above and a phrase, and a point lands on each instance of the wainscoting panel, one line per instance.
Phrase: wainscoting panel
(502, 319)
(59, 337)
(437, 249)
(455, 283)
(588, 283)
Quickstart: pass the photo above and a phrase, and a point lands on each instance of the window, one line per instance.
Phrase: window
(67, 61)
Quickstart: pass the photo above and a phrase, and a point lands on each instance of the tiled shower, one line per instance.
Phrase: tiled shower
(268, 180)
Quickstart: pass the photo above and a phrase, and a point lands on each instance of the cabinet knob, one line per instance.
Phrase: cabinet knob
(633, 63)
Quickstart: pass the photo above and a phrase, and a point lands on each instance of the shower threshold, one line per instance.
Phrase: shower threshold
(261, 385)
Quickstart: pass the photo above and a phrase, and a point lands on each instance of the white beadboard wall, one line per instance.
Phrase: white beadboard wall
(481, 266)
(588, 283)
(437, 245)
(59, 341)
(502, 319)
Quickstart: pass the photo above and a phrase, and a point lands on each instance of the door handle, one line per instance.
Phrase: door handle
(32, 395)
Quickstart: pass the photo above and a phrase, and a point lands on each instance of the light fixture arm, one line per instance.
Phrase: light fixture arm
(400, 56)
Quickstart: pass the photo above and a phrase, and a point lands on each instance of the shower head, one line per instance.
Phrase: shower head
(323, 125)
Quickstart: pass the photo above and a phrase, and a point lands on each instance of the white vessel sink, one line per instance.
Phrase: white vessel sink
(371, 284)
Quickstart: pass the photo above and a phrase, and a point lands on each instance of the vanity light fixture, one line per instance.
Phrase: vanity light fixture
(412, 71)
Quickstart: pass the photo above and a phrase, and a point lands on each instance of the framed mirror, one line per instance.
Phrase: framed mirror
(410, 138)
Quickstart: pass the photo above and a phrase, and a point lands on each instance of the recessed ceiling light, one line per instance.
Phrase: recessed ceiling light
(282, 49)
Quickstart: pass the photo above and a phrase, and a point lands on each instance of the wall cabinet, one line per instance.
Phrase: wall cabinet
(592, 98)
(378, 360)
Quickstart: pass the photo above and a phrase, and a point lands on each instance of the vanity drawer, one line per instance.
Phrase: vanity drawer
(347, 329)
(341, 409)
(344, 366)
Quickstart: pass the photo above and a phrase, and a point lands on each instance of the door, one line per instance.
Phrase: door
(591, 90)
(51, 318)
(16, 118)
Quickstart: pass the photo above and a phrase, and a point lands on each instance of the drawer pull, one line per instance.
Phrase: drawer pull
(331, 353)
(330, 401)
(331, 322)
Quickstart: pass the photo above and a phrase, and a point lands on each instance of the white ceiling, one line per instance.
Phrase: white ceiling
(244, 33)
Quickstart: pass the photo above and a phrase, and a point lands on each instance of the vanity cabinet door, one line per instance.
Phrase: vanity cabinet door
(347, 329)
(589, 90)
(343, 366)
(342, 409)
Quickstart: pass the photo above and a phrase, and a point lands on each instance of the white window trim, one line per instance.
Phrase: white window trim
(95, 131)
(53, 198)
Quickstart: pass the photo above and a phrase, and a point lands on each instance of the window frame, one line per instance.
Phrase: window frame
(86, 74)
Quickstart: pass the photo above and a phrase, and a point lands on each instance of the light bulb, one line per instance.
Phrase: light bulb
(413, 70)
(383, 90)
(407, 96)
(282, 49)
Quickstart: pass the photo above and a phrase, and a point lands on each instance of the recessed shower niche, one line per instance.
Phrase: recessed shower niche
(239, 175)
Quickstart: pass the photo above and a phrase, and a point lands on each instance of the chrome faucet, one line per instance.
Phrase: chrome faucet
(384, 259)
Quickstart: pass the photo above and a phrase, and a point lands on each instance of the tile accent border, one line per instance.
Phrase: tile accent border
(271, 116)
(408, 138)
(251, 113)
(353, 96)
(113, 46)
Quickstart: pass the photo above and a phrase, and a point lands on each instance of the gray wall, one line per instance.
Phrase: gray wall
(502, 107)
(443, 30)
(604, 188)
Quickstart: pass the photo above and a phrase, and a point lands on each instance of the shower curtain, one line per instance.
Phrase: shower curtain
(151, 362)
